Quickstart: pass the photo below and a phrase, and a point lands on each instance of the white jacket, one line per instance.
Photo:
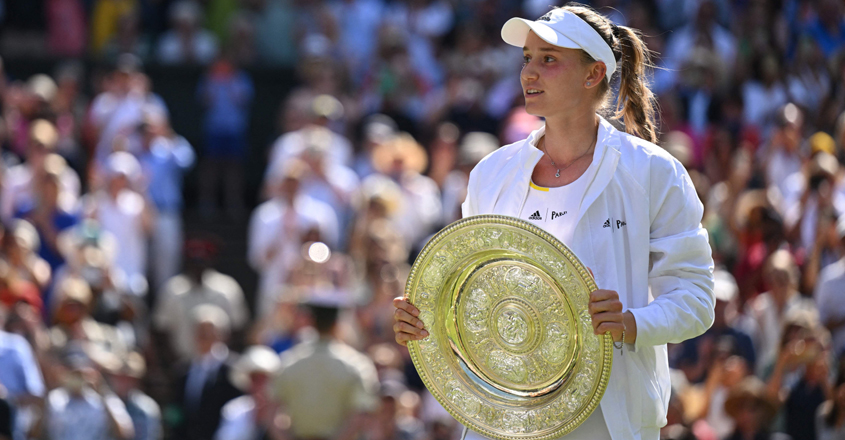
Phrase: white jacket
(639, 230)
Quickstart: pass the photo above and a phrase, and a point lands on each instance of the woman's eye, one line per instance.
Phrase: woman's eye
(548, 59)
(526, 59)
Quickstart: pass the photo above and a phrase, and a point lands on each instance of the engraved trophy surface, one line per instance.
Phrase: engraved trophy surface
(511, 352)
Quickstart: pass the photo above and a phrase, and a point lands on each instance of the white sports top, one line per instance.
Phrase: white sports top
(556, 209)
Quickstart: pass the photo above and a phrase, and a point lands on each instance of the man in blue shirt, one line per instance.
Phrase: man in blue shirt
(21, 376)
(165, 158)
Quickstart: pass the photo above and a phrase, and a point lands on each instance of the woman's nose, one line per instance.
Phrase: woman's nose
(529, 72)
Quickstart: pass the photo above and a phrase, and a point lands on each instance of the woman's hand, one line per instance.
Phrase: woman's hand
(407, 326)
(606, 311)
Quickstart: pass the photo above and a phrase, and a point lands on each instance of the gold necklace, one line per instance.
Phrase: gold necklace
(557, 174)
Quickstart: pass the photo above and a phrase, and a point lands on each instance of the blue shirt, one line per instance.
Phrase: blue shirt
(228, 101)
(164, 164)
(19, 372)
(828, 43)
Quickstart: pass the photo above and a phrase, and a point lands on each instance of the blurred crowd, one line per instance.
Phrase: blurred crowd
(117, 324)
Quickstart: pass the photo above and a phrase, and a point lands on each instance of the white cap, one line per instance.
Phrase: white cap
(562, 28)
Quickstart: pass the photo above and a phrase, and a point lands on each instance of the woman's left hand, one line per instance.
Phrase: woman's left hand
(606, 310)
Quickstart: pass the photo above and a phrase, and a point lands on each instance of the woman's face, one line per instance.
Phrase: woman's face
(558, 76)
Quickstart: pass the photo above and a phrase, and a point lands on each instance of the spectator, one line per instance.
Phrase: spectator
(751, 410)
(7, 423)
(83, 406)
(74, 325)
(828, 292)
(165, 158)
(18, 252)
(226, 94)
(20, 381)
(19, 182)
(124, 212)
(276, 229)
(204, 387)
(403, 160)
(125, 376)
(46, 212)
(186, 42)
(326, 387)
(198, 285)
(252, 415)
(770, 309)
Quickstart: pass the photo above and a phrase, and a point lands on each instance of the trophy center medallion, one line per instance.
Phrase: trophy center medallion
(512, 325)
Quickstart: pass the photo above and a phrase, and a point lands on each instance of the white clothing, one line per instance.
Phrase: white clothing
(179, 297)
(166, 247)
(555, 209)
(117, 115)
(274, 226)
(766, 102)
(71, 418)
(419, 209)
(238, 420)
(828, 296)
(18, 190)
(292, 144)
(780, 167)
(122, 217)
(655, 255)
(768, 326)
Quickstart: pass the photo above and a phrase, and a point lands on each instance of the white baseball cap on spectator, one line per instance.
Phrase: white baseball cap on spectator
(256, 359)
(562, 28)
(121, 163)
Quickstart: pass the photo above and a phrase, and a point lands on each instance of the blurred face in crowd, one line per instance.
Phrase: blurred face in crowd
(557, 74)
(289, 188)
(117, 184)
(206, 336)
(71, 312)
(48, 193)
(258, 382)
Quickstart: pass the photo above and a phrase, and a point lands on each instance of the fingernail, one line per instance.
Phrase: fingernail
(424, 333)
(420, 324)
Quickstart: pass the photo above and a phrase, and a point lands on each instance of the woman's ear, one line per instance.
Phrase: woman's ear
(595, 74)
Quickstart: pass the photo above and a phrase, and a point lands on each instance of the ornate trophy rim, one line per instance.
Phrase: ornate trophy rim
(548, 391)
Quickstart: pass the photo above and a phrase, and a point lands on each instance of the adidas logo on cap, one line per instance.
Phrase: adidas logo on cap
(606, 224)
(535, 216)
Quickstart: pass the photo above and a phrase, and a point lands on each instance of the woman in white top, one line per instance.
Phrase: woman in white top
(622, 204)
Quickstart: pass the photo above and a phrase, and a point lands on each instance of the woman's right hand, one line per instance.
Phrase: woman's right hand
(407, 327)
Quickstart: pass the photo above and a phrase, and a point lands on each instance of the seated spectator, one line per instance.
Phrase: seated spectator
(320, 112)
(828, 296)
(83, 406)
(18, 252)
(21, 384)
(74, 324)
(697, 357)
(199, 284)
(46, 212)
(253, 415)
(186, 42)
(204, 387)
(770, 309)
(420, 209)
(799, 380)
(20, 182)
(751, 410)
(124, 376)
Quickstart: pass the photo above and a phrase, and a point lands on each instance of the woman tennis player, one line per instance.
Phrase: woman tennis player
(624, 206)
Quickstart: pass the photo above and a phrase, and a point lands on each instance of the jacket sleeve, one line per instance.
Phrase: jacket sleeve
(681, 263)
